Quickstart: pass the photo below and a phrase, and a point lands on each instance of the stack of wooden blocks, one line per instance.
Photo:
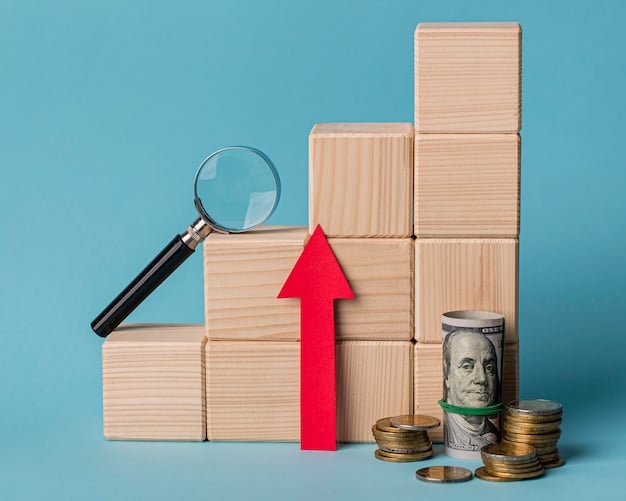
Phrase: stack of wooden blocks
(421, 223)
(467, 189)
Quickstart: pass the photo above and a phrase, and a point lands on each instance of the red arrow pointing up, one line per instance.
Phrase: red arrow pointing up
(318, 280)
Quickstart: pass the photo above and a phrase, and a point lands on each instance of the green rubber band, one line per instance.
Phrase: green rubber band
(490, 410)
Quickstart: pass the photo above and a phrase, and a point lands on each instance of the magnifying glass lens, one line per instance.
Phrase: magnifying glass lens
(236, 188)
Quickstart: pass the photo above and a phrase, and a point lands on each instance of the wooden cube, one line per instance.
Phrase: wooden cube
(467, 77)
(253, 390)
(374, 380)
(464, 274)
(153, 382)
(467, 185)
(428, 380)
(380, 272)
(361, 179)
(243, 274)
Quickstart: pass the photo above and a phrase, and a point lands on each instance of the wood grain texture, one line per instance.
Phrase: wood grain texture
(467, 77)
(464, 274)
(428, 380)
(374, 380)
(360, 179)
(153, 379)
(253, 390)
(243, 274)
(467, 185)
(380, 272)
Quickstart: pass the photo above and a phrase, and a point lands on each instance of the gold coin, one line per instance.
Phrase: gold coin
(399, 433)
(548, 458)
(531, 419)
(406, 436)
(378, 454)
(554, 464)
(483, 475)
(443, 474)
(541, 451)
(512, 464)
(401, 450)
(546, 449)
(530, 429)
(498, 468)
(508, 451)
(401, 458)
(517, 476)
(384, 424)
(537, 439)
(415, 422)
(507, 418)
(540, 448)
(415, 456)
(548, 454)
(404, 446)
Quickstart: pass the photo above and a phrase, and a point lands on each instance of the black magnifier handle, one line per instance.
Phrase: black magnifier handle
(161, 267)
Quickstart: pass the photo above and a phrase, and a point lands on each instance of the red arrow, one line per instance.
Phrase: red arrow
(317, 280)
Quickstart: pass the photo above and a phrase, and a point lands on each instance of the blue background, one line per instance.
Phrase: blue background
(106, 108)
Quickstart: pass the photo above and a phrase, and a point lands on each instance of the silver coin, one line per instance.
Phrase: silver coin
(537, 407)
(443, 474)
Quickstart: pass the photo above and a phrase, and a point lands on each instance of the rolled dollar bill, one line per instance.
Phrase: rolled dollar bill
(472, 380)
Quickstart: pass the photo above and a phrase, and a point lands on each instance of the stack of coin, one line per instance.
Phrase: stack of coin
(404, 438)
(507, 462)
(536, 423)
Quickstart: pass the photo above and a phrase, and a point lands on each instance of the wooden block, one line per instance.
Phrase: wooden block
(428, 380)
(464, 274)
(374, 380)
(243, 274)
(153, 382)
(467, 77)
(253, 390)
(428, 384)
(380, 272)
(510, 379)
(360, 179)
(467, 185)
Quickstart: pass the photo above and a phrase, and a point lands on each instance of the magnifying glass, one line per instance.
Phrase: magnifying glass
(235, 189)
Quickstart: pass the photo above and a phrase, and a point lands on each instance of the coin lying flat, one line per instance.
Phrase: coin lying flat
(549, 458)
(443, 474)
(384, 424)
(417, 422)
(537, 407)
(398, 450)
(491, 465)
(508, 451)
(399, 435)
(537, 437)
(401, 458)
(517, 475)
(554, 464)
(483, 475)
(534, 429)
(532, 418)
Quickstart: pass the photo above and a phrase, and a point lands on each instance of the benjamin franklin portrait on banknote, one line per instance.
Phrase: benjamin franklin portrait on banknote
(470, 370)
